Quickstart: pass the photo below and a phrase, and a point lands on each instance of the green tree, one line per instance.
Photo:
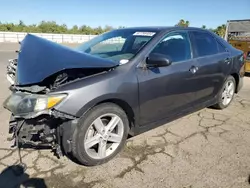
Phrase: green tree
(183, 23)
(98, 30)
(86, 30)
(107, 28)
(203, 27)
(53, 27)
(3, 27)
(74, 29)
(221, 30)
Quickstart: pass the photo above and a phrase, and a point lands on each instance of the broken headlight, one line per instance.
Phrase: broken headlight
(21, 104)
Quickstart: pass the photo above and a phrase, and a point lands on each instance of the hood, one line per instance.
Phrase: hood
(40, 58)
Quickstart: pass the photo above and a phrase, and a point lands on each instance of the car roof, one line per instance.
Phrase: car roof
(162, 28)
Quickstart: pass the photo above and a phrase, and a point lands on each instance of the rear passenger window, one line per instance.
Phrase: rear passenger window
(221, 48)
(204, 44)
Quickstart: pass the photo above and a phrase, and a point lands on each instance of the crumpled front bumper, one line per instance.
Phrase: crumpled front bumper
(44, 131)
(39, 131)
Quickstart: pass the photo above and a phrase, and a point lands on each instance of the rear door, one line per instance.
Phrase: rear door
(214, 64)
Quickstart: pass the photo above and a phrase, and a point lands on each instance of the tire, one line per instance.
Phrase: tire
(221, 103)
(87, 129)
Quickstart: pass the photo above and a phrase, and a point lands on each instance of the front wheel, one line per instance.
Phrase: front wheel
(226, 94)
(100, 135)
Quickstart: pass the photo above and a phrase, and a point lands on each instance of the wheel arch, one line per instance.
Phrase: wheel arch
(119, 102)
(237, 79)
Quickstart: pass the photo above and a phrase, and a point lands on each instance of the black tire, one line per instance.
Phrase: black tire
(220, 105)
(84, 123)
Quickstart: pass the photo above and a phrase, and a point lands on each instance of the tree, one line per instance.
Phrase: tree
(98, 30)
(221, 30)
(3, 27)
(183, 23)
(107, 28)
(53, 27)
(203, 27)
(74, 29)
(86, 30)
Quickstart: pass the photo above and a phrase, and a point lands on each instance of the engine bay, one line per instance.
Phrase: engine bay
(52, 82)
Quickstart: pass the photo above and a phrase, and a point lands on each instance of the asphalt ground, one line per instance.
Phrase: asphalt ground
(209, 149)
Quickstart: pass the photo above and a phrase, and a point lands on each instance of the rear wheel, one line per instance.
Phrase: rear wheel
(100, 134)
(226, 94)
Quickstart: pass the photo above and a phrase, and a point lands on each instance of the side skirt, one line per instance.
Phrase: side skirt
(150, 126)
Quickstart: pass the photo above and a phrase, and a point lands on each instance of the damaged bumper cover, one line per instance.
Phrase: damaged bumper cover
(38, 128)
(44, 131)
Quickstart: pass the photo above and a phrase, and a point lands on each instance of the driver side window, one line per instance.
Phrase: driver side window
(175, 46)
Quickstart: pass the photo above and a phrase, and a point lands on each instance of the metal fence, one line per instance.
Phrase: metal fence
(14, 37)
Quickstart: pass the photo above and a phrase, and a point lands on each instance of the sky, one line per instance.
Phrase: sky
(126, 13)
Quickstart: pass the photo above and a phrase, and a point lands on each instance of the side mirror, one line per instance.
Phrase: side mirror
(158, 60)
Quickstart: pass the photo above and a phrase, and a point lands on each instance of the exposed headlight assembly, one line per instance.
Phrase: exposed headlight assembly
(22, 104)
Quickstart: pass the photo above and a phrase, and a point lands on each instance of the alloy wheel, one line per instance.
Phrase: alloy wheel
(228, 92)
(104, 136)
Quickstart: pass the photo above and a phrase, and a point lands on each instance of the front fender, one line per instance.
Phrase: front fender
(101, 99)
(86, 93)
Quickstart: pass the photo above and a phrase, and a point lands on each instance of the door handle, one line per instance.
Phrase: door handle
(193, 69)
(227, 60)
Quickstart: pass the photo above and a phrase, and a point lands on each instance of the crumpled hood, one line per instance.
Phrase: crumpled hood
(39, 58)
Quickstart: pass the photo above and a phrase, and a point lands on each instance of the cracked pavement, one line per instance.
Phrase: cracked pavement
(209, 148)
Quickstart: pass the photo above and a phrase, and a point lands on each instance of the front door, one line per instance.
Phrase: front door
(165, 91)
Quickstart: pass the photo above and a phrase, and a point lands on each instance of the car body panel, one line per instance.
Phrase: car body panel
(211, 75)
(153, 96)
(44, 58)
(167, 90)
(85, 93)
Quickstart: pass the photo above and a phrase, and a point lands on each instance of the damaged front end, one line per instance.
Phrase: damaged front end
(41, 67)
(34, 123)
(39, 132)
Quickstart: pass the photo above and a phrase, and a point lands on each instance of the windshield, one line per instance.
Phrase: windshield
(117, 45)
